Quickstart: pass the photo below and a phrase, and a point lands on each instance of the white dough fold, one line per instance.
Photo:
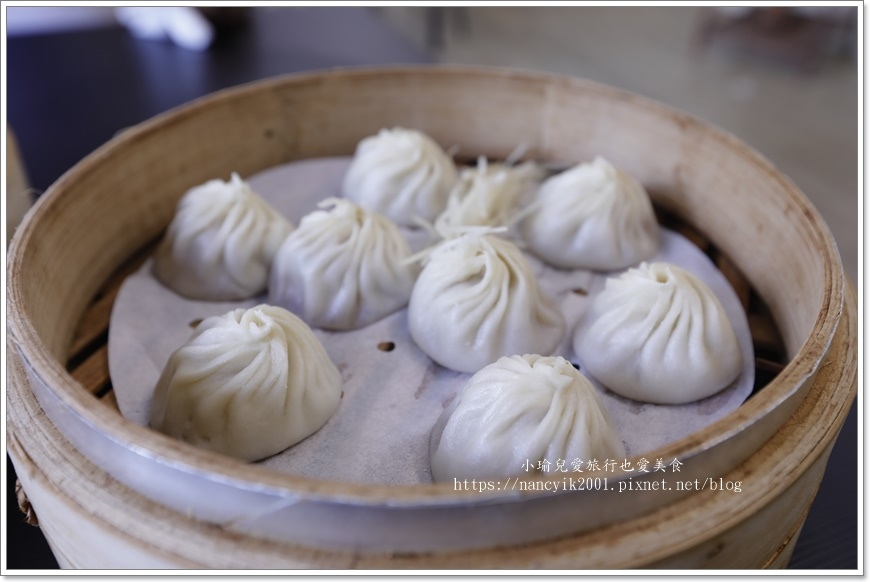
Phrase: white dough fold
(221, 242)
(593, 216)
(343, 268)
(658, 334)
(487, 195)
(519, 411)
(400, 173)
(247, 384)
(477, 300)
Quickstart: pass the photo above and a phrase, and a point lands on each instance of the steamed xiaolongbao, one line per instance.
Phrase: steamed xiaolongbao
(247, 384)
(593, 216)
(523, 409)
(477, 300)
(221, 242)
(488, 195)
(343, 268)
(658, 334)
(402, 174)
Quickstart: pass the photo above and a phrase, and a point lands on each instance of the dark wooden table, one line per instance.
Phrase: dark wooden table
(69, 93)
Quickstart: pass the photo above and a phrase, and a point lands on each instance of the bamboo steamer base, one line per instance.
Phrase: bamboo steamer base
(92, 521)
(111, 204)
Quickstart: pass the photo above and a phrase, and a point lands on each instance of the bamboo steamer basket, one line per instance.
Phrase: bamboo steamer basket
(114, 494)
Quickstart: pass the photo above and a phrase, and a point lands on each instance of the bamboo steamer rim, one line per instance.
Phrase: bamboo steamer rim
(158, 447)
(672, 537)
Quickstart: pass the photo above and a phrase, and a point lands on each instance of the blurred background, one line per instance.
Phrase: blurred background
(784, 80)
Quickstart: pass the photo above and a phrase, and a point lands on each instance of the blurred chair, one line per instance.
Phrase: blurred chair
(803, 38)
(438, 21)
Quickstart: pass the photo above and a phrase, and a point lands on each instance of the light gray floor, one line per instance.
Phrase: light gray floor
(806, 124)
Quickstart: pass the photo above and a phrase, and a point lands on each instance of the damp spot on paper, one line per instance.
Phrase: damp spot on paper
(635, 407)
(712, 404)
(427, 378)
(345, 372)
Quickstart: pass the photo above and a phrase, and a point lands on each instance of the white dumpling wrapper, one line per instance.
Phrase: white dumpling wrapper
(400, 173)
(488, 195)
(658, 334)
(477, 300)
(221, 242)
(247, 384)
(593, 216)
(520, 410)
(343, 268)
